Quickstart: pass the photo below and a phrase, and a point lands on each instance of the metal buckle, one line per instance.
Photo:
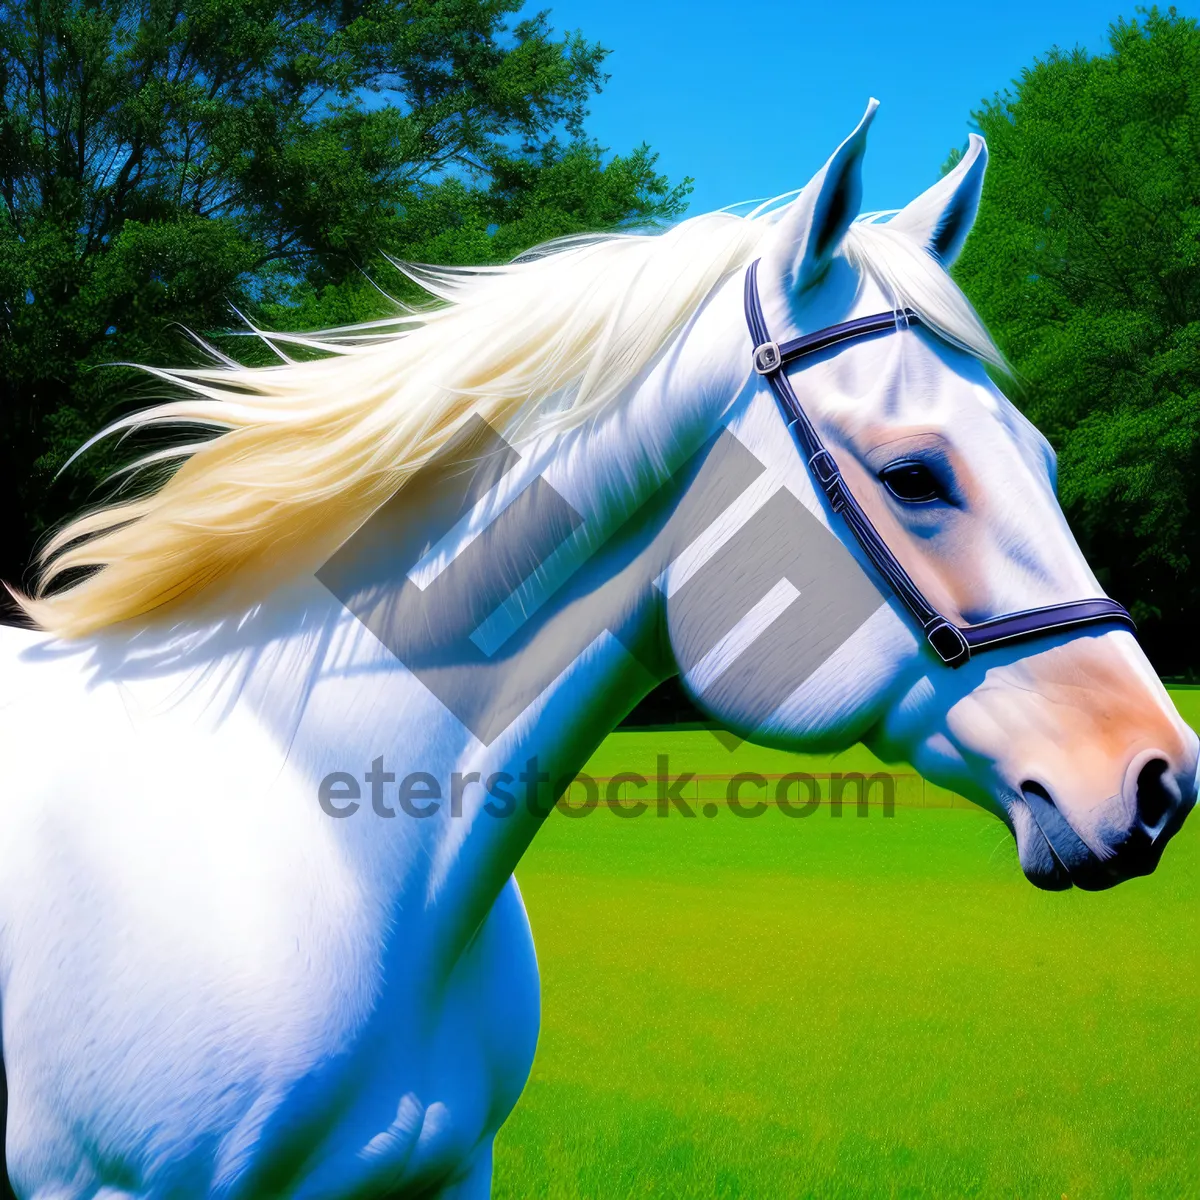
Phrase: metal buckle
(767, 358)
(948, 642)
(825, 472)
(823, 467)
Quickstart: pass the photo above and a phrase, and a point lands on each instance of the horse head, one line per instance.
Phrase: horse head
(1067, 735)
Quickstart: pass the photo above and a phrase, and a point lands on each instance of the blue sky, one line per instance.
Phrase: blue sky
(751, 96)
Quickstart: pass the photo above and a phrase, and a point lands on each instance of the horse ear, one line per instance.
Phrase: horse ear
(941, 217)
(811, 227)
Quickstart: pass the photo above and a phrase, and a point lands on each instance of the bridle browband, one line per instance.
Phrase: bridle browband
(953, 644)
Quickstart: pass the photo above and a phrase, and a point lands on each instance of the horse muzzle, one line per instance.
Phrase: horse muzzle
(1127, 840)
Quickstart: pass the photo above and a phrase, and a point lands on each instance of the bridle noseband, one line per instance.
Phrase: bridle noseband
(953, 644)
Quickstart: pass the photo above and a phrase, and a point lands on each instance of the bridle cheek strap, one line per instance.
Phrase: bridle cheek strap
(953, 644)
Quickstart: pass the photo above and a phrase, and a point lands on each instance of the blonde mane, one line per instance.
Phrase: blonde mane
(307, 450)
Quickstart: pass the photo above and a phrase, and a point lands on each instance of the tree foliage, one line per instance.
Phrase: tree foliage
(1085, 262)
(162, 160)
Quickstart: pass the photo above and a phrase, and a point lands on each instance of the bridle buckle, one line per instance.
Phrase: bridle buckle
(948, 642)
(767, 358)
(824, 468)
(825, 471)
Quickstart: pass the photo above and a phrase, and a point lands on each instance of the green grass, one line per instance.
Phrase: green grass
(874, 1006)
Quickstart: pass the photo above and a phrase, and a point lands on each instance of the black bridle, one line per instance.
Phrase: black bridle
(953, 644)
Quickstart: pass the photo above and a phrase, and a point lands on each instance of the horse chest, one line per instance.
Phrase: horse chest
(447, 1078)
(285, 1091)
(229, 1010)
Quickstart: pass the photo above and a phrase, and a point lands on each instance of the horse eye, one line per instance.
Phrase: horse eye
(911, 482)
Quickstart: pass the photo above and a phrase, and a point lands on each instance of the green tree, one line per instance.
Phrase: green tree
(1085, 262)
(161, 160)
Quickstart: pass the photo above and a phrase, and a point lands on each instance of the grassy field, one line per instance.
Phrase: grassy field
(854, 1006)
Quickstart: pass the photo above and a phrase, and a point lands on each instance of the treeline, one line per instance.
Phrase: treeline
(164, 163)
(1085, 263)
(161, 164)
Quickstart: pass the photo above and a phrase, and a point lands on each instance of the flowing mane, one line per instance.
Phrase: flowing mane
(307, 450)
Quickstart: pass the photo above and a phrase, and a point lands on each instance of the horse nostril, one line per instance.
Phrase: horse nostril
(1036, 788)
(1155, 799)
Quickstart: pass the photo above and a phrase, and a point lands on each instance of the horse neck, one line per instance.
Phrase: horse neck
(343, 694)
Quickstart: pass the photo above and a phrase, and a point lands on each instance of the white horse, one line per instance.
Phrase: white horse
(259, 934)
